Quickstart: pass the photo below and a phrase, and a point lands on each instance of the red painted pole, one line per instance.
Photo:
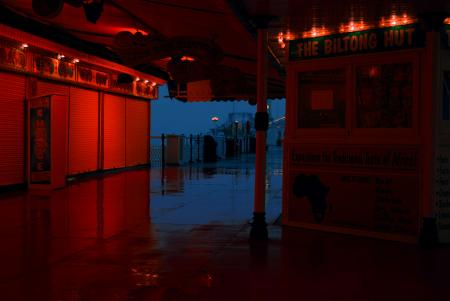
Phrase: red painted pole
(259, 227)
(260, 169)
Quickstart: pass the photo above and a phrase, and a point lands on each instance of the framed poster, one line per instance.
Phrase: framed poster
(40, 141)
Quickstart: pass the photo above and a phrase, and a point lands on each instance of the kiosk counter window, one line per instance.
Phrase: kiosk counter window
(322, 99)
(358, 96)
(384, 95)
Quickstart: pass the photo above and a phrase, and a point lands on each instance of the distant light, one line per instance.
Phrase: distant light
(146, 81)
(215, 118)
(60, 56)
(24, 46)
(153, 84)
(137, 79)
(187, 58)
(447, 21)
(75, 61)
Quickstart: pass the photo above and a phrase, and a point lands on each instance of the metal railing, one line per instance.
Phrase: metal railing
(182, 149)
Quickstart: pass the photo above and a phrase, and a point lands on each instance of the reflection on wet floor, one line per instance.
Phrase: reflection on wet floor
(136, 235)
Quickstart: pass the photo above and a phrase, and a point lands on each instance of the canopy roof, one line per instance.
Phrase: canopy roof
(207, 42)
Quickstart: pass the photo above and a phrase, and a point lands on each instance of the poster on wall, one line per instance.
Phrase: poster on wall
(12, 58)
(40, 160)
(357, 187)
(51, 67)
(121, 86)
(362, 201)
(93, 77)
(358, 157)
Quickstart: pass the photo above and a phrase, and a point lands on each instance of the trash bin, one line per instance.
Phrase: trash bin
(229, 143)
(173, 150)
(252, 146)
(209, 149)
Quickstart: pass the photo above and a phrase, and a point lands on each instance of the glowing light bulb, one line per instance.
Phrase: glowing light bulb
(24, 46)
(60, 56)
(352, 26)
(137, 79)
(394, 20)
(75, 61)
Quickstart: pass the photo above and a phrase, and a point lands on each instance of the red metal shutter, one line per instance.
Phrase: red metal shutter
(113, 131)
(45, 88)
(12, 129)
(138, 116)
(83, 131)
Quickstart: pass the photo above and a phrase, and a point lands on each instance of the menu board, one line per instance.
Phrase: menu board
(13, 58)
(369, 188)
(51, 67)
(363, 201)
(93, 77)
(40, 160)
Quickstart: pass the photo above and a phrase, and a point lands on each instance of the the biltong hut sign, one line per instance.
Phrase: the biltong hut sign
(367, 41)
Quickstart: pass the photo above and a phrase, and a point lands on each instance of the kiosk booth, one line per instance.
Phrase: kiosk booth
(64, 112)
(367, 143)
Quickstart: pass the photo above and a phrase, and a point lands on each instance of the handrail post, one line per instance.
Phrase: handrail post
(198, 147)
(190, 143)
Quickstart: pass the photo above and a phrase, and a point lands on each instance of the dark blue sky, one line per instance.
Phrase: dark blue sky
(170, 116)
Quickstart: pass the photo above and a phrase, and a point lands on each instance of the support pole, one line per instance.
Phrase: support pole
(190, 148)
(198, 148)
(163, 157)
(259, 227)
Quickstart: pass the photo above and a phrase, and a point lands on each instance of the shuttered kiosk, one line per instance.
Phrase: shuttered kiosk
(83, 131)
(96, 101)
(137, 129)
(114, 114)
(12, 129)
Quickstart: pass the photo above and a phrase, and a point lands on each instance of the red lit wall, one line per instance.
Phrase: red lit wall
(137, 132)
(110, 134)
(12, 129)
(45, 88)
(83, 131)
(113, 131)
